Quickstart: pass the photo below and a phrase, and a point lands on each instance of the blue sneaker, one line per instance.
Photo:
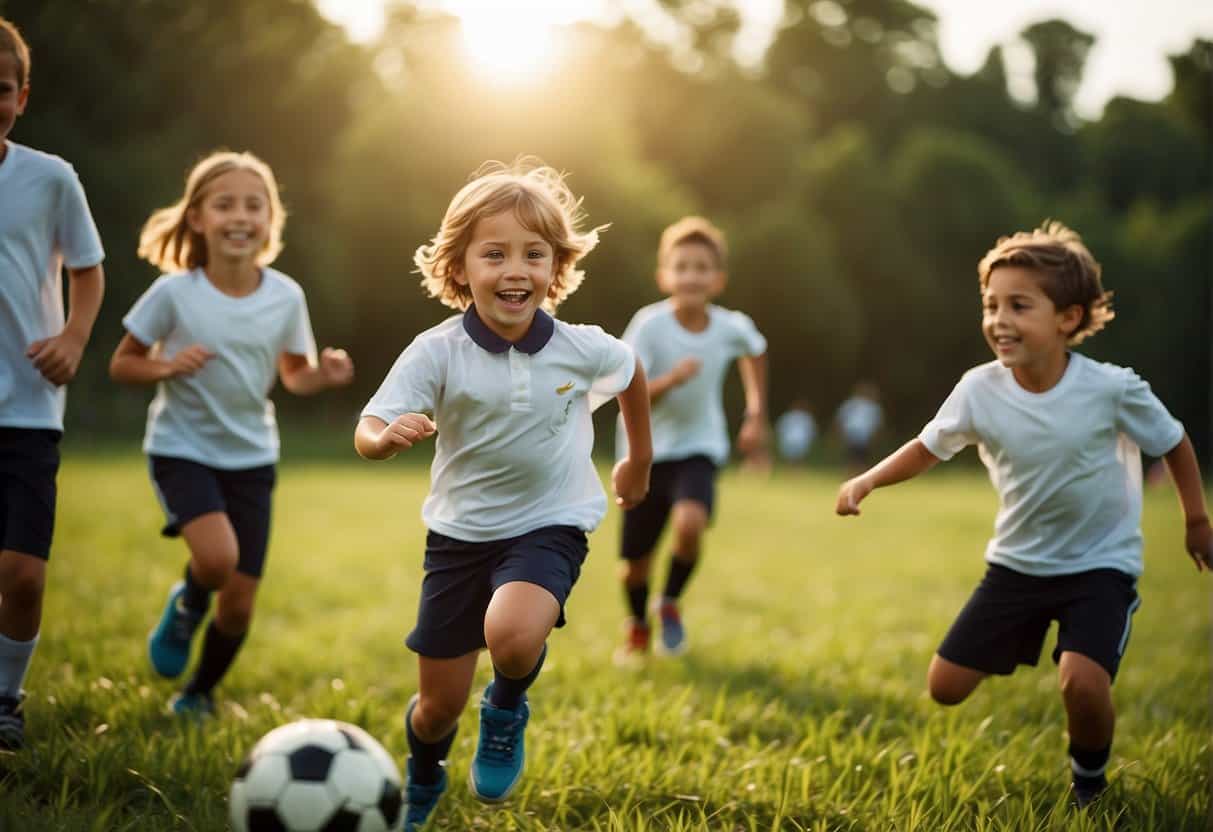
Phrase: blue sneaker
(169, 644)
(501, 753)
(195, 705)
(421, 799)
(673, 634)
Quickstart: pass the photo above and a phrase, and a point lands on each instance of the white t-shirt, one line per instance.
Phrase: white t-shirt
(221, 415)
(45, 225)
(795, 431)
(514, 428)
(859, 418)
(688, 420)
(1066, 462)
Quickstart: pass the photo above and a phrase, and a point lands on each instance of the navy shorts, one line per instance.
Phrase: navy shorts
(1006, 619)
(693, 478)
(188, 490)
(29, 462)
(461, 577)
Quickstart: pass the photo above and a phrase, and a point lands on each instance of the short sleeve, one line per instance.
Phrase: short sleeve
(749, 341)
(411, 386)
(1144, 419)
(76, 234)
(639, 338)
(298, 338)
(615, 371)
(951, 431)
(152, 316)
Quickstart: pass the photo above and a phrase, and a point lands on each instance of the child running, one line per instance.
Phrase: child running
(1060, 435)
(45, 226)
(686, 345)
(513, 489)
(211, 334)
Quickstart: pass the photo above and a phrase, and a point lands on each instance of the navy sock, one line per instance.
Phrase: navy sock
(508, 693)
(1088, 767)
(218, 652)
(197, 597)
(680, 573)
(427, 756)
(638, 600)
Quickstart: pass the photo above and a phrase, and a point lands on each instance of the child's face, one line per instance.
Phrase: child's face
(12, 94)
(510, 270)
(1021, 324)
(233, 217)
(690, 274)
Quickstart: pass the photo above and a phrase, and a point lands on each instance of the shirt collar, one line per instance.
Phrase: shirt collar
(535, 339)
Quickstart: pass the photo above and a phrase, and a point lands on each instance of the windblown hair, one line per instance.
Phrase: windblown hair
(693, 230)
(12, 43)
(540, 200)
(1064, 268)
(168, 242)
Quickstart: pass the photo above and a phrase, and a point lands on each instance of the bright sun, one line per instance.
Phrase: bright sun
(509, 41)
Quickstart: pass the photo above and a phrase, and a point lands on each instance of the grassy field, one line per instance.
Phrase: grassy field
(801, 705)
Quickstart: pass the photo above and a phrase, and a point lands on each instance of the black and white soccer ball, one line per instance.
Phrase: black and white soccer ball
(317, 775)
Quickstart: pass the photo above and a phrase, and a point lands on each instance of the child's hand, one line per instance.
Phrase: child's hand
(336, 367)
(189, 360)
(1199, 542)
(851, 494)
(685, 370)
(57, 358)
(753, 436)
(405, 431)
(631, 482)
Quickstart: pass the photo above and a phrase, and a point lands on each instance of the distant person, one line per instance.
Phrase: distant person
(45, 227)
(795, 432)
(859, 418)
(1060, 434)
(507, 389)
(213, 333)
(687, 345)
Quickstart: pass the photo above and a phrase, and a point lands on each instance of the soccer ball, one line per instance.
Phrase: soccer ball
(316, 775)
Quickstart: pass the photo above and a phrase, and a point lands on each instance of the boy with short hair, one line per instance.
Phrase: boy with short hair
(45, 226)
(1060, 435)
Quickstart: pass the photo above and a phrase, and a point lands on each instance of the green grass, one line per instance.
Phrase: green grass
(800, 707)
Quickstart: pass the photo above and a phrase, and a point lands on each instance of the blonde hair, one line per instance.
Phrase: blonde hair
(693, 230)
(1065, 270)
(542, 203)
(12, 43)
(168, 242)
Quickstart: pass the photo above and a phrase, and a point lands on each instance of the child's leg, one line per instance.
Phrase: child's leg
(635, 573)
(516, 626)
(22, 582)
(443, 691)
(951, 683)
(225, 635)
(1086, 690)
(214, 550)
(690, 522)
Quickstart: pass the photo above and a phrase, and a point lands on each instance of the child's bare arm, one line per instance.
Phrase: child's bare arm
(682, 372)
(334, 369)
(631, 475)
(376, 439)
(1185, 473)
(58, 357)
(755, 429)
(908, 461)
(133, 362)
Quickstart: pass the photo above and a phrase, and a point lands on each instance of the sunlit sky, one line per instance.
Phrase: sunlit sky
(1129, 57)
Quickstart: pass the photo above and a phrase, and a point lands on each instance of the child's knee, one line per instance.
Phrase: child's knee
(951, 684)
(636, 571)
(514, 652)
(1085, 687)
(435, 715)
(22, 579)
(212, 566)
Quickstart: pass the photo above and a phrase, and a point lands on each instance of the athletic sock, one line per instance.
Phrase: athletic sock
(680, 573)
(508, 693)
(427, 756)
(638, 601)
(218, 652)
(14, 663)
(1089, 767)
(197, 597)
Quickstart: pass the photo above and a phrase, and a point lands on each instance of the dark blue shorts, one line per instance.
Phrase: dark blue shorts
(461, 577)
(1006, 619)
(29, 462)
(188, 489)
(693, 478)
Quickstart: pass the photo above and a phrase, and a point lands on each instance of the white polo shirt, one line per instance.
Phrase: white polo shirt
(1066, 462)
(514, 429)
(45, 225)
(221, 415)
(688, 420)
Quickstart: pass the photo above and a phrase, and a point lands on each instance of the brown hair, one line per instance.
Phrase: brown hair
(168, 242)
(12, 43)
(540, 200)
(1064, 268)
(693, 230)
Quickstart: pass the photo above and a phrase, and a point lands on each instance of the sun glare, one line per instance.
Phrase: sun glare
(512, 41)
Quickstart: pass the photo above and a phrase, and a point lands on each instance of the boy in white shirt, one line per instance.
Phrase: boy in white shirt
(513, 488)
(686, 345)
(45, 226)
(1060, 435)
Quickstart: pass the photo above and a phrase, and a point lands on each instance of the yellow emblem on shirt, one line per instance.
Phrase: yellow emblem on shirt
(564, 388)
